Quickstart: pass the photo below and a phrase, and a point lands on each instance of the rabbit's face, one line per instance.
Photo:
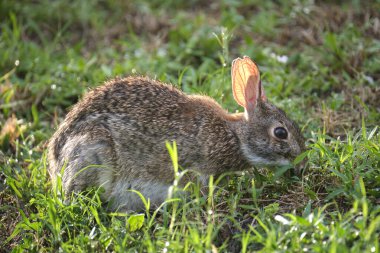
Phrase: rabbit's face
(270, 137)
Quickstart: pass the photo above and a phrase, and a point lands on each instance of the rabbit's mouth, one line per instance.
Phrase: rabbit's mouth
(258, 160)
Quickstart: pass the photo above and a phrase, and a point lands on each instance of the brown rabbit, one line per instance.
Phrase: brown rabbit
(123, 125)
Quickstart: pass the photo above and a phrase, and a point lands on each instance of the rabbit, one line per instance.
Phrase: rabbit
(115, 137)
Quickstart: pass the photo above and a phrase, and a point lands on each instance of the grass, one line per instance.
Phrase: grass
(319, 62)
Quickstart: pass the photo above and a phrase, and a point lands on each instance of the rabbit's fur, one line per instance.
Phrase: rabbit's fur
(115, 138)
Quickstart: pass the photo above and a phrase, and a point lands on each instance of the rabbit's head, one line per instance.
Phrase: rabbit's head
(267, 135)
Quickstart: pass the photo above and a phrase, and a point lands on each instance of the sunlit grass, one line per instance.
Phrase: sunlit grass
(321, 69)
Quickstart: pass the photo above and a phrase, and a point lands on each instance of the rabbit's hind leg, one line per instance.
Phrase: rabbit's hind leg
(89, 163)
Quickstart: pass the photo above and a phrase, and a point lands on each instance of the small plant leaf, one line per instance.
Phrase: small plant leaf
(135, 222)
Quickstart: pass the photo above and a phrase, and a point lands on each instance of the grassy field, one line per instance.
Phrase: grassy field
(320, 62)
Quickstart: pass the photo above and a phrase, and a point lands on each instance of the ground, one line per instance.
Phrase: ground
(319, 62)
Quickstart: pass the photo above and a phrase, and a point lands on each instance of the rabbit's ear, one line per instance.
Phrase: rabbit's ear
(246, 83)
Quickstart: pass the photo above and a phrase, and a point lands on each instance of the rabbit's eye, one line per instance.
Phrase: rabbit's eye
(280, 133)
